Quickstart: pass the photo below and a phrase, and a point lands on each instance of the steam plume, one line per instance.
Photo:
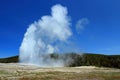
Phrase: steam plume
(44, 36)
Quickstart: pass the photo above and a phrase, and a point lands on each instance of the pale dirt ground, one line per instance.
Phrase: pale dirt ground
(15, 71)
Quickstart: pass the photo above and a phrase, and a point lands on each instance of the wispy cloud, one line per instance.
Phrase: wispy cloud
(81, 23)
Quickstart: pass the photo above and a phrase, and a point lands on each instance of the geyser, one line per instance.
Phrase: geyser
(46, 36)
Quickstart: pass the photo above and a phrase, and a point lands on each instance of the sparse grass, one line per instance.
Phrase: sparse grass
(73, 76)
(65, 73)
(2, 72)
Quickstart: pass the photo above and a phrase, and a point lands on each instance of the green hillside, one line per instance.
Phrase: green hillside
(12, 59)
(99, 60)
(85, 59)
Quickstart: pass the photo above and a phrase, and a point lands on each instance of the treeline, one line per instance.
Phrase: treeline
(13, 59)
(85, 59)
(98, 60)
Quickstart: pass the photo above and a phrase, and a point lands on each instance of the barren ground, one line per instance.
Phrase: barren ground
(14, 71)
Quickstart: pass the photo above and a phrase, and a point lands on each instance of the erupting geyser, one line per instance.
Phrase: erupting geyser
(46, 36)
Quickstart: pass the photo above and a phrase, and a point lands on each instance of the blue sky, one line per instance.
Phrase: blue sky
(101, 35)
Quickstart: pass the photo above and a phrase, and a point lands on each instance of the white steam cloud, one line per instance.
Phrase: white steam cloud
(42, 38)
(50, 34)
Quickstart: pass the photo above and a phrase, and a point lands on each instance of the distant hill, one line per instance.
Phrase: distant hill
(98, 60)
(86, 59)
(13, 59)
